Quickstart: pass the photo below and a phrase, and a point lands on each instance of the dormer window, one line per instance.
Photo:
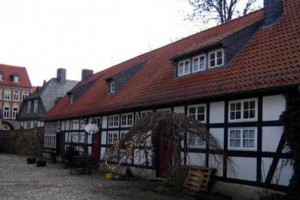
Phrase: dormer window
(201, 62)
(15, 78)
(184, 67)
(216, 58)
(112, 87)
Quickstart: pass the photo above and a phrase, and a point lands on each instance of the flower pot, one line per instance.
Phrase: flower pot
(41, 163)
(31, 160)
(108, 175)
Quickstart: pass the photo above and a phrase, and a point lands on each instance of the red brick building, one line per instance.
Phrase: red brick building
(15, 86)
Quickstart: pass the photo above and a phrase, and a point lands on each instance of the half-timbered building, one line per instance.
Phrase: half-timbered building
(232, 77)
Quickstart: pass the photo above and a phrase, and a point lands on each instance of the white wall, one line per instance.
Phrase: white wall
(270, 138)
(217, 110)
(242, 168)
(273, 106)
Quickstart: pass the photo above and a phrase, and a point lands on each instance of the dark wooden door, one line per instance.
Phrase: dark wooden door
(96, 149)
(60, 143)
(164, 157)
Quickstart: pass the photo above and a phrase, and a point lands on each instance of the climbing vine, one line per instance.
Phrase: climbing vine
(291, 121)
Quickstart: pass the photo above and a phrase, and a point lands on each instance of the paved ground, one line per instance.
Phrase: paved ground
(19, 180)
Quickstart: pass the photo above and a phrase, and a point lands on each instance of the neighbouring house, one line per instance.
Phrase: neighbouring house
(36, 105)
(15, 86)
(233, 77)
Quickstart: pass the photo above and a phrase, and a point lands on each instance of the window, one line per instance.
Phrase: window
(7, 94)
(16, 79)
(113, 121)
(6, 112)
(194, 141)
(112, 87)
(15, 112)
(1, 76)
(184, 67)
(146, 113)
(123, 134)
(16, 95)
(28, 110)
(98, 122)
(25, 94)
(216, 58)
(127, 119)
(1, 94)
(112, 137)
(242, 138)
(197, 112)
(199, 63)
(244, 110)
(35, 106)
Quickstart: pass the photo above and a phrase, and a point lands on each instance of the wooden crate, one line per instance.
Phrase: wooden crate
(197, 179)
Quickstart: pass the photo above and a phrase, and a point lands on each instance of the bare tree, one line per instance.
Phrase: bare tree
(219, 10)
(151, 131)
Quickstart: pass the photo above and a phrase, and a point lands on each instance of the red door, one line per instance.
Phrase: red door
(96, 149)
(164, 157)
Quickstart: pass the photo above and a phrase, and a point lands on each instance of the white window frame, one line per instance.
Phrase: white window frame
(35, 106)
(195, 141)
(145, 113)
(242, 138)
(242, 110)
(6, 112)
(112, 87)
(7, 94)
(198, 64)
(127, 119)
(123, 134)
(196, 111)
(28, 109)
(25, 94)
(16, 79)
(215, 59)
(113, 121)
(112, 136)
(184, 67)
(15, 112)
(16, 95)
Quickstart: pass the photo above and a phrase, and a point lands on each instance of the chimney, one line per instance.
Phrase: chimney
(272, 11)
(61, 75)
(86, 73)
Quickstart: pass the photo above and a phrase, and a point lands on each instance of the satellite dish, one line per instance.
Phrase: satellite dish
(91, 128)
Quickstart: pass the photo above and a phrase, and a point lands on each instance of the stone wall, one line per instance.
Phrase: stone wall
(25, 142)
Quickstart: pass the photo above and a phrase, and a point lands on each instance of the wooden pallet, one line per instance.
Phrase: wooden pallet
(197, 179)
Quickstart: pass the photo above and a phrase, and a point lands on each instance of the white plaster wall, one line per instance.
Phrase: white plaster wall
(103, 137)
(104, 122)
(216, 161)
(271, 137)
(140, 157)
(218, 134)
(102, 152)
(283, 172)
(179, 109)
(242, 168)
(217, 110)
(164, 110)
(196, 159)
(273, 106)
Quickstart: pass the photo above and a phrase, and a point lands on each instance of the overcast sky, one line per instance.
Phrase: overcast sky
(43, 35)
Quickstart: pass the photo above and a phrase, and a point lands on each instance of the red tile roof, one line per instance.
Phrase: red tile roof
(9, 70)
(270, 59)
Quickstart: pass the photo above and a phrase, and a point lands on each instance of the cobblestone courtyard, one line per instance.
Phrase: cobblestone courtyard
(19, 180)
